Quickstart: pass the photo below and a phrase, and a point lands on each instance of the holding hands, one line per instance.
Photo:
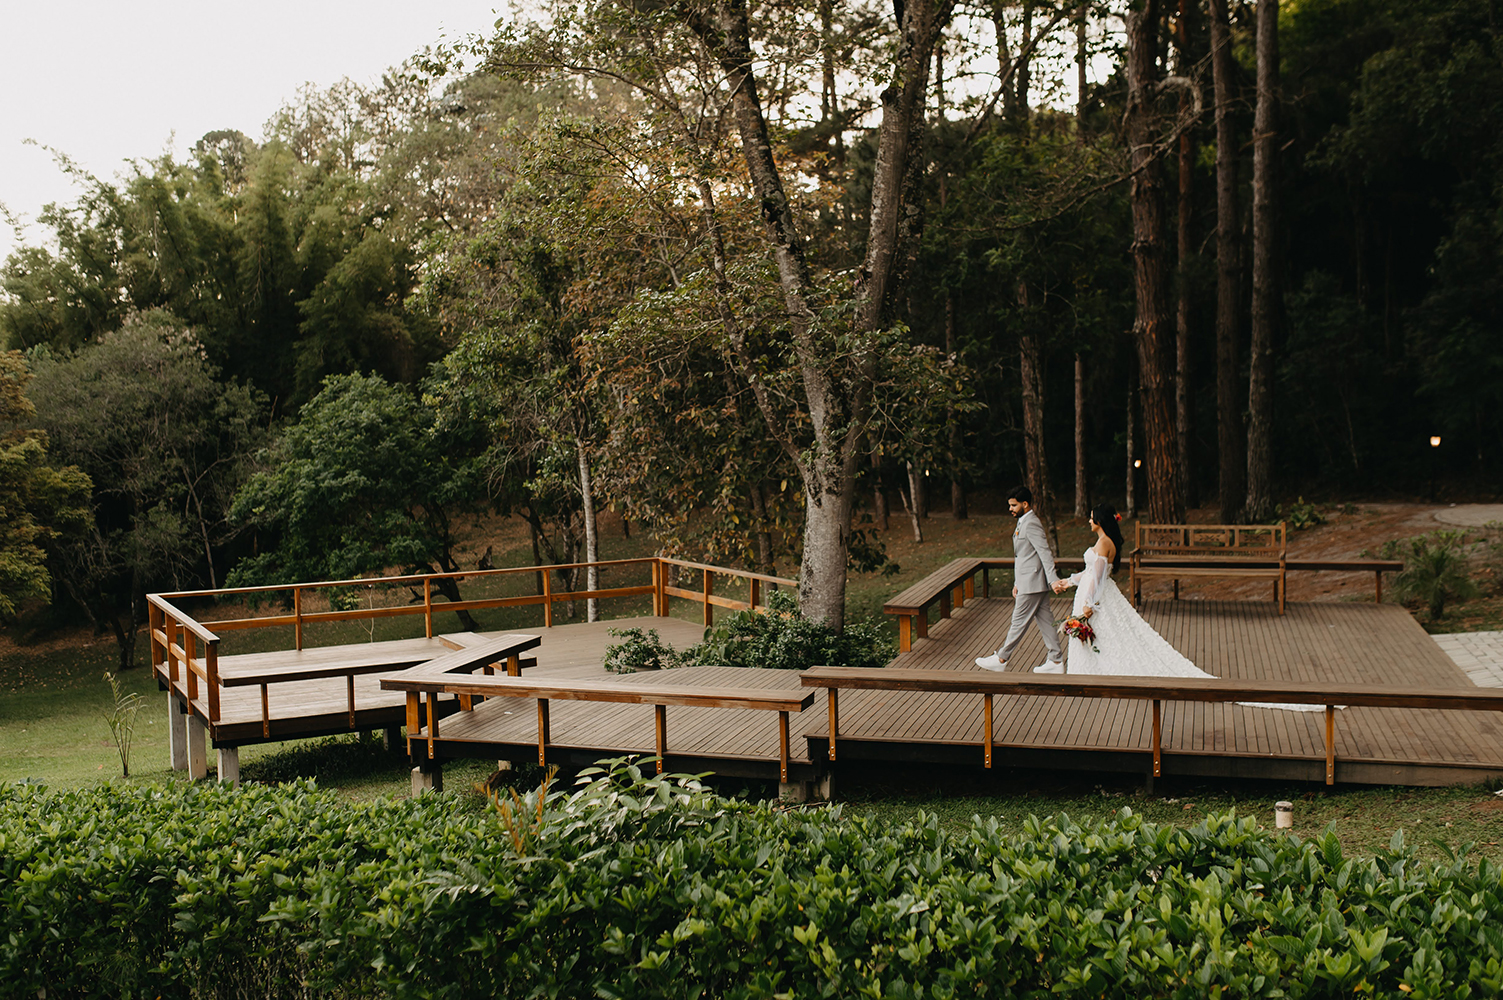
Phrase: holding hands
(1060, 586)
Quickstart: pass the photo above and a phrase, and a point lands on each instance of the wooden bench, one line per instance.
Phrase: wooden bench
(418, 682)
(1155, 689)
(1187, 551)
(951, 586)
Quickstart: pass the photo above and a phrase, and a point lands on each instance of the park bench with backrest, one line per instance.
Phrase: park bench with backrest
(1198, 551)
(419, 682)
(1154, 689)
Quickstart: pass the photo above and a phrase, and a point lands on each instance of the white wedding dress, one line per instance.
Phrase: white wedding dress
(1128, 645)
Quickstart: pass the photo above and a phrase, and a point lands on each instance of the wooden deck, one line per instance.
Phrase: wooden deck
(1314, 642)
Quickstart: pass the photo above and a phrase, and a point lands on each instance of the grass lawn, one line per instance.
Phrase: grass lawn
(54, 700)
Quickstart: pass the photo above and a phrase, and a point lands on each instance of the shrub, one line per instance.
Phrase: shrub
(782, 638)
(638, 886)
(1301, 515)
(1435, 570)
(639, 649)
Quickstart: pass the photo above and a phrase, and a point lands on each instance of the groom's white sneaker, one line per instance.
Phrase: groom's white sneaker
(991, 662)
(1049, 668)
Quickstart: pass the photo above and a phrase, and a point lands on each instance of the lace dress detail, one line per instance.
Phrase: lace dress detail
(1128, 645)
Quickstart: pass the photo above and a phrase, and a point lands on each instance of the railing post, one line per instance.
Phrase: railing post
(834, 717)
(543, 735)
(153, 626)
(297, 617)
(755, 593)
(192, 676)
(211, 669)
(660, 724)
(988, 698)
(1158, 768)
(709, 609)
(657, 587)
(1330, 744)
(547, 600)
(428, 604)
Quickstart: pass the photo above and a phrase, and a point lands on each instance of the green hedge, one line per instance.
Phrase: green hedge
(637, 887)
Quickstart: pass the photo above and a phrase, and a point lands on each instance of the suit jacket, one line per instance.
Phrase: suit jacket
(1033, 565)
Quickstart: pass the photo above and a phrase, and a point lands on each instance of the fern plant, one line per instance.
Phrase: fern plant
(1435, 571)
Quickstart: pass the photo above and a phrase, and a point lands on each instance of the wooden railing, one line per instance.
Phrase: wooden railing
(1155, 689)
(189, 649)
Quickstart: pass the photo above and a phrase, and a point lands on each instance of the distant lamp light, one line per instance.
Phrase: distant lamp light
(1435, 440)
(1137, 463)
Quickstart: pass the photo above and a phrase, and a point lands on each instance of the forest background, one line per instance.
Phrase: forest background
(749, 275)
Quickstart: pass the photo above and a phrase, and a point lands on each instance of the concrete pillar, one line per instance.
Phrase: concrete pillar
(177, 734)
(198, 748)
(429, 778)
(391, 739)
(824, 787)
(793, 791)
(229, 765)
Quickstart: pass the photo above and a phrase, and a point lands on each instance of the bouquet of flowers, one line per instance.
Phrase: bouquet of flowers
(1078, 628)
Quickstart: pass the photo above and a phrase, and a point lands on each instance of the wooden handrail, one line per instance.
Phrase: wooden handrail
(417, 682)
(1154, 689)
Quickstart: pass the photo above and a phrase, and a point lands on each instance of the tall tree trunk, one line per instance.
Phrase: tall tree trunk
(1023, 74)
(1152, 325)
(838, 403)
(1031, 368)
(1082, 496)
(879, 497)
(958, 509)
(1186, 251)
(592, 540)
(913, 502)
(1082, 493)
(1132, 451)
(762, 529)
(1265, 282)
(1232, 465)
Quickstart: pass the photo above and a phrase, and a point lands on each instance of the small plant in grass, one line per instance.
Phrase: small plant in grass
(782, 638)
(1301, 515)
(1435, 570)
(122, 718)
(639, 649)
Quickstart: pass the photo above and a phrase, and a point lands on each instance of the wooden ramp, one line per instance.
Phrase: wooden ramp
(1317, 642)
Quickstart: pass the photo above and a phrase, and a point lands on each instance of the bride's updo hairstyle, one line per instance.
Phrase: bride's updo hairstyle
(1106, 516)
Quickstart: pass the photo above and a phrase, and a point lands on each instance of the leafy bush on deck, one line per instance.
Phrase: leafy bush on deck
(641, 887)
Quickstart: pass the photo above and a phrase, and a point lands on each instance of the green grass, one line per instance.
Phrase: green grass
(1436, 821)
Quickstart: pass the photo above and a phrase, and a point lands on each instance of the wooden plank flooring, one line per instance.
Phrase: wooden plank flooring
(1342, 642)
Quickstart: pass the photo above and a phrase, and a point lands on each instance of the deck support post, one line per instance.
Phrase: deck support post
(660, 726)
(834, 701)
(542, 732)
(783, 747)
(428, 778)
(391, 739)
(905, 633)
(1330, 744)
(198, 748)
(177, 734)
(229, 765)
(1158, 742)
(988, 743)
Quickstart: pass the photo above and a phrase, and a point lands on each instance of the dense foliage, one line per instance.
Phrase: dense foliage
(563, 243)
(777, 638)
(644, 887)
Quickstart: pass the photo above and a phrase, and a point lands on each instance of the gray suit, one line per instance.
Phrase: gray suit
(1033, 572)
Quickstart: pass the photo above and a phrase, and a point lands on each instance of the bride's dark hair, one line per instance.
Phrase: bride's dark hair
(1105, 515)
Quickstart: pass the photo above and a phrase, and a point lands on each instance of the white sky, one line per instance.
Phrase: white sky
(106, 81)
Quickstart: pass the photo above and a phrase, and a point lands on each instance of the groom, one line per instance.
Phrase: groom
(1034, 576)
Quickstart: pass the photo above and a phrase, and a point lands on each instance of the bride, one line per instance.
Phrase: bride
(1124, 643)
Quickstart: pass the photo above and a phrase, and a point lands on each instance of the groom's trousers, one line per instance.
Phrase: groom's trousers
(1027, 608)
